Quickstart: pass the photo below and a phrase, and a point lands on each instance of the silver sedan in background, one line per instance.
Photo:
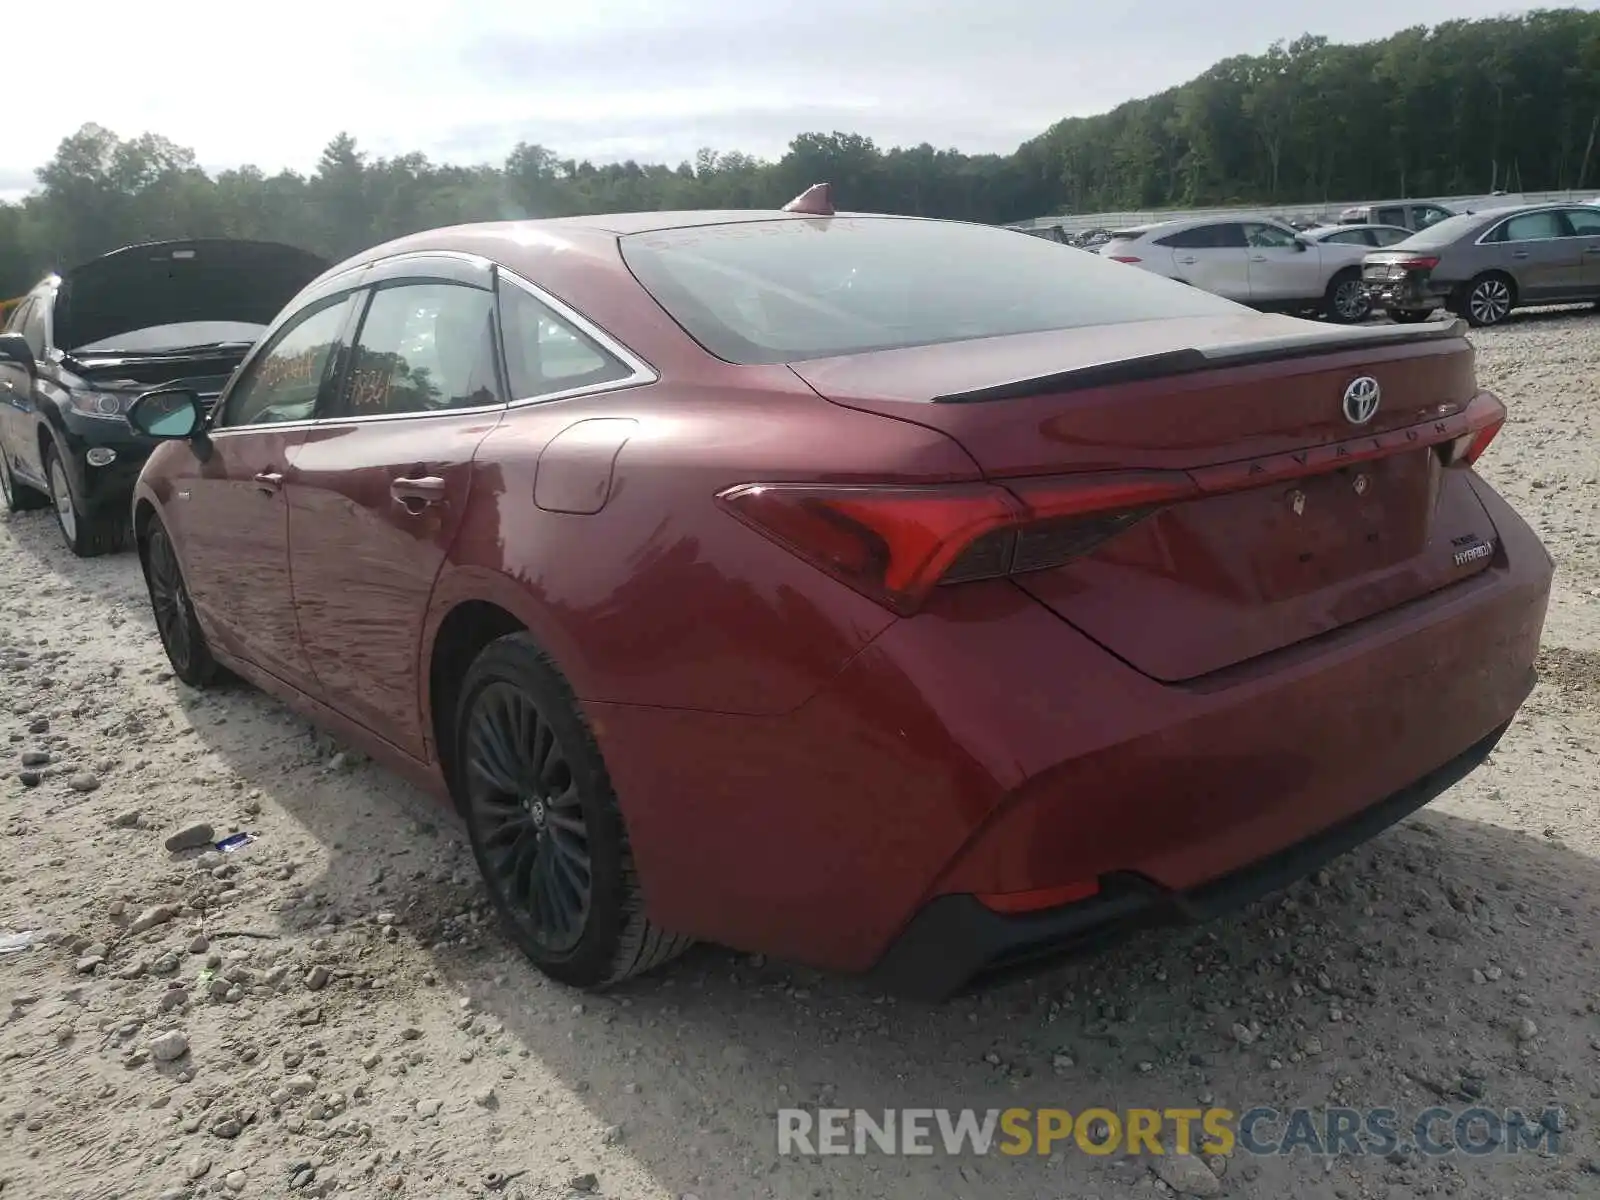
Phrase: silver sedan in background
(1482, 265)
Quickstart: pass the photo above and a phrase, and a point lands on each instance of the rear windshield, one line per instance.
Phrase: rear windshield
(789, 290)
(1444, 232)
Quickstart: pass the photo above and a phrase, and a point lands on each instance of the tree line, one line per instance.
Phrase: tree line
(1463, 107)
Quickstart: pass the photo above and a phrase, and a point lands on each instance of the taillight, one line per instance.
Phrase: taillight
(1127, 258)
(895, 544)
(1486, 416)
(1469, 447)
(1426, 263)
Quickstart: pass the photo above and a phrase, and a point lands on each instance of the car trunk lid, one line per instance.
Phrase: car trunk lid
(1301, 520)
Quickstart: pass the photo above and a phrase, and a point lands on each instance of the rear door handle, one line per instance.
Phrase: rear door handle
(1258, 258)
(1593, 250)
(415, 494)
(1519, 254)
(269, 482)
(1186, 261)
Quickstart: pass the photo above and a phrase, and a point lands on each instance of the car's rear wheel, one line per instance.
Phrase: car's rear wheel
(18, 497)
(86, 534)
(1408, 316)
(1347, 301)
(1487, 300)
(544, 823)
(180, 632)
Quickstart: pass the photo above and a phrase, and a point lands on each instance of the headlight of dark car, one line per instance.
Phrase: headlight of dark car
(109, 406)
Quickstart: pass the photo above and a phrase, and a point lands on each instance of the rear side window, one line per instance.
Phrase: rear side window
(1531, 227)
(1351, 237)
(424, 347)
(1389, 216)
(546, 354)
(802, 288)
(1206, 237)
(284, 382)
(1388, 237)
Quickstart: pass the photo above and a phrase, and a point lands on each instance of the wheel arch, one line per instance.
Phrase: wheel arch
(460, 635)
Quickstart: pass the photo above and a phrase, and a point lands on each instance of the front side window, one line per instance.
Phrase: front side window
(1429, 214)
(284, 382)
(1269, 237)
(31, 326)
(424, 347)
(546, 354)
(19, 315)
(1585, 222)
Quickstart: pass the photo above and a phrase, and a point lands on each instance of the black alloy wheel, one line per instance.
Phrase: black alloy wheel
(529, 817)
(545, 826)
(180, 633)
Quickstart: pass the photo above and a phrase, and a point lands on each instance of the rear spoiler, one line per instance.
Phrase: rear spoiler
(1172, 363)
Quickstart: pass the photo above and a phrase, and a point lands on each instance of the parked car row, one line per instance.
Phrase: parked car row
(890, 595)
(1482, 265)
(1477, 265)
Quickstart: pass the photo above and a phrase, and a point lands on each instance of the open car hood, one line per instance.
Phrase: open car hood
(170, 283)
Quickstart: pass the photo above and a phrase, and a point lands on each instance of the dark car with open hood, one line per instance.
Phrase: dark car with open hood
(83, 344)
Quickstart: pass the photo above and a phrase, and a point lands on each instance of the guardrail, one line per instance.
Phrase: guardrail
(1073, 222)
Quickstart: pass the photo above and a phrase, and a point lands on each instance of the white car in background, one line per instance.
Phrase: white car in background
(1261, 262)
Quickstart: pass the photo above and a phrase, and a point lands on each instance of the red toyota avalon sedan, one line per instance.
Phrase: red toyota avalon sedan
(897, 596)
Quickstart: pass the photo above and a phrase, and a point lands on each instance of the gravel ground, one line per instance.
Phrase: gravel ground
(328, 1010)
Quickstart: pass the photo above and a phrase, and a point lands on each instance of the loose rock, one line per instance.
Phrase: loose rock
(166, 1047)
(190, 837)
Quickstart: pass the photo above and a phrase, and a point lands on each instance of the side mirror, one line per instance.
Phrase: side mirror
(1302, 244)
(14, 349)
(173, 414)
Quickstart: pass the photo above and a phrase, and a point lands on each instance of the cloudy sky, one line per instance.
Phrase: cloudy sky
(645, 79)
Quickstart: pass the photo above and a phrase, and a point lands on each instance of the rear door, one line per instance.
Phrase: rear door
(1212, 257)
(1537, 251)
(381, 481)
(1282, 268)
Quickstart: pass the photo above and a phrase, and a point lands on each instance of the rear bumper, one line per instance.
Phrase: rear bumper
(985, 747)
(955, 940)
(1407, 294)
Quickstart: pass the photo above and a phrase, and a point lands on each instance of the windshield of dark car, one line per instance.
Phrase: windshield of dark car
(164, 338)
(789, 290)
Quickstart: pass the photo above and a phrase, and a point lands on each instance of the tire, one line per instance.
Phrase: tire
(180, 632)
(1408, 316)
(544, 823)
(1487, 300)
(86, 534)
(18, 497)
(1347, 302)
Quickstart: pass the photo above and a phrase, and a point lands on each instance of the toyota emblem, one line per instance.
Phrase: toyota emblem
(1361, 400)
